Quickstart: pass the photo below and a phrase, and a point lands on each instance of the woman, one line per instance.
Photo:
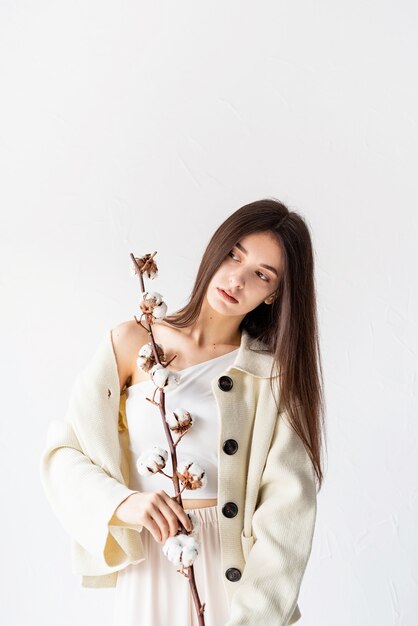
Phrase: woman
(246, 346)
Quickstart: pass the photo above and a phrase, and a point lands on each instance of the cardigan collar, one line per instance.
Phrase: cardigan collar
(253, 357)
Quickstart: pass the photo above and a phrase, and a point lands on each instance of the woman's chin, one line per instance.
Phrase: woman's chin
(216, 304)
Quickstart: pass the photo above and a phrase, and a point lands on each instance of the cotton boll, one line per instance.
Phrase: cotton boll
(183, 416)
(146, 358)
(191, 475)
(190, 551)
(159, 375)
(151, 461)
(181, 550)
(162, 377)
(152, 295)
(160, 311)
(145, 355)
(141, 362)
(180, 421)
(145, 350)
(152, 300)
(172, 422)
(172, 549)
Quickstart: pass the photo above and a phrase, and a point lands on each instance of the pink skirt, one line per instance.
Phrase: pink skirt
(154, 593)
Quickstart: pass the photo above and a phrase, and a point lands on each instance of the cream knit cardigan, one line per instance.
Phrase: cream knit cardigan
(85, 473)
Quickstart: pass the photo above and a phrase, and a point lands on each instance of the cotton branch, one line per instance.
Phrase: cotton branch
(146, 265)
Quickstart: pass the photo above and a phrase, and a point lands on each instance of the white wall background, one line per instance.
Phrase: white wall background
(139, 126)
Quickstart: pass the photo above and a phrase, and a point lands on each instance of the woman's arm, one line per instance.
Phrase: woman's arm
(81, 494)
(283, 527)
(127, 338)
(80, 464)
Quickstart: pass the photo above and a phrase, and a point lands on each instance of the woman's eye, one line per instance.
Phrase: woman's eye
(234, 257)
(265, 277)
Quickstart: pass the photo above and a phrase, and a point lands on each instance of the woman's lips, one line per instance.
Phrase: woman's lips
(226, 296)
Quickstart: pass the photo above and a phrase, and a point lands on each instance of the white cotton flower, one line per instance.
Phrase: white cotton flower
(181, 550)
(180, 421)
(146, 359)
(145, 353)
(191, 475)
(151, 461)
(159, 312)
(141, 361)
(145, 350)
(152, 304)
(163, 378)
(152, 295)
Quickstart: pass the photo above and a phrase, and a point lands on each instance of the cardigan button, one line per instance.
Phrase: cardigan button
(230, 446)
(230, 509)
(225, 383)
(233, 574)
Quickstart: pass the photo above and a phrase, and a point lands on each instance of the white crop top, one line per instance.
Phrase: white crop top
(200, 443)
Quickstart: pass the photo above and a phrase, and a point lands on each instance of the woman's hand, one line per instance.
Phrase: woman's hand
(155, 510)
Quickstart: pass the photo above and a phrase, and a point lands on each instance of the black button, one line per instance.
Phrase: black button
(233, 574)
(225, 383)
(230, 446)
(230, 509)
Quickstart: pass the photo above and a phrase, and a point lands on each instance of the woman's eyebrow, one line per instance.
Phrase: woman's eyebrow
(267, 267)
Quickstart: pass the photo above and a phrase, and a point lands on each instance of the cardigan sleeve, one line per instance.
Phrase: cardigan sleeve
(81, 464)
(82, 495)
(283, 527)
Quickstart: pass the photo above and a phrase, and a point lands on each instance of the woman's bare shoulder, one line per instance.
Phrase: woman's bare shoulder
(127, 338)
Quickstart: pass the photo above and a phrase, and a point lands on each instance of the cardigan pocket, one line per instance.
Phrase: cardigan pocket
(246, 543)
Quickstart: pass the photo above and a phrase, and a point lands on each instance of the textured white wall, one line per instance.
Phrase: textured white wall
(138, 126)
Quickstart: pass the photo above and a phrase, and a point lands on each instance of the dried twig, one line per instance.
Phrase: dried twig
(146, 265)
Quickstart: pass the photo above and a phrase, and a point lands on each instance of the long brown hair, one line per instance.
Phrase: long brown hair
(288, 326)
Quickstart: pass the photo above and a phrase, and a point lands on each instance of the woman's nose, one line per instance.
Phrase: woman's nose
(236, 281)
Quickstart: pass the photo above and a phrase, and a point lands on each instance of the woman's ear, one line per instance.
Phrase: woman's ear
(272, 296)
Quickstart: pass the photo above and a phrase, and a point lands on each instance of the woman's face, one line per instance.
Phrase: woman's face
(244, 275)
